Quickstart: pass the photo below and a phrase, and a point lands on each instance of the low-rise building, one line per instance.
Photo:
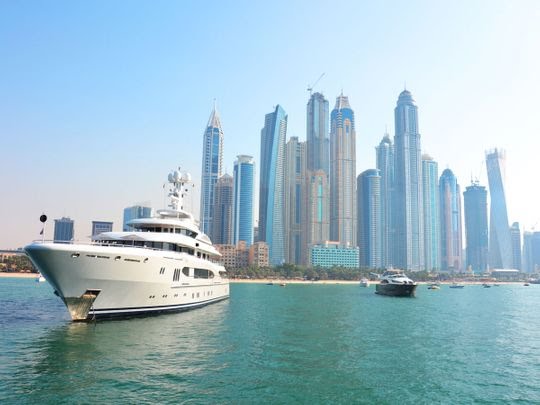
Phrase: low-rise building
(332, 254)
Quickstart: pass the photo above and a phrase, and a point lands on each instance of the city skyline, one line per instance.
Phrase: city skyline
(84, 112)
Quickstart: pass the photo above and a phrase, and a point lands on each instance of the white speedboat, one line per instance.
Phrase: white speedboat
(165, 264)
(364, 282)
(40, 278)
(395, 283)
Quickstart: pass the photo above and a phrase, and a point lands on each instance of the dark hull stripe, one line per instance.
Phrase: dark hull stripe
(148, 310)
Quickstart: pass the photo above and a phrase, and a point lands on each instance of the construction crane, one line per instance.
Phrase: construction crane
(310, 87)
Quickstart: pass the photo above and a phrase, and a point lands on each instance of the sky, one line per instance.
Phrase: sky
(100, 100)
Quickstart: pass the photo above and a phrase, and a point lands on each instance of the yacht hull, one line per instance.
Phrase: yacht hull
(396, 290)
(97, 281)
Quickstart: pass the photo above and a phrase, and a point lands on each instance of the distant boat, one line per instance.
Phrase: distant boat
(282, 284)
(395, 283)
(455, 285)
(40, 278)
(364, 282)
(433, 287)
(485, 285)
(526, 284)
(270, 283)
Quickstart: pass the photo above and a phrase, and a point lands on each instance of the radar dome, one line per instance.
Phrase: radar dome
(186, 177)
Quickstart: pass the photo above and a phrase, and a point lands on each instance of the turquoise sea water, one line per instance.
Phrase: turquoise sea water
(271, 344)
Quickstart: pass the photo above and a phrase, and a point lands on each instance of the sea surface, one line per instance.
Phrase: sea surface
(304, 344)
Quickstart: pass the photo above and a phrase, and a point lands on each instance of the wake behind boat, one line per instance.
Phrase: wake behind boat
(165, 264)
(395, 283)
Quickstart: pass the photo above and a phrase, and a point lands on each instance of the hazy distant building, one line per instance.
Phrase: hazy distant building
(100, 227)
(527, 258)
(295, 195)
(318, 142)
(63, 229)
(408, 220)
(271, 184)
(244, 177)
(135, 212)
(535, 254)
(515, 235)
(385, 165)
(332, 254)
(450, 214)
(343, 173)
(369, 219)
(476, 227)
(500, 243)
(212, 162)
(222, 225)
(432, 233)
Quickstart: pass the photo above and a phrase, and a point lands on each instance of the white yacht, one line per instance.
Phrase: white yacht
(164, 264)
(396, 283)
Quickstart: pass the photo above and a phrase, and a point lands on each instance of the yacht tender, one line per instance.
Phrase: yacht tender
(164, 264)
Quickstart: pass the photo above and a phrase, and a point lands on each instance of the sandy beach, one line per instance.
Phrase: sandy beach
(17, 275)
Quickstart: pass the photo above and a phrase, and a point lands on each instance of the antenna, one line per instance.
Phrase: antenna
(310, 87)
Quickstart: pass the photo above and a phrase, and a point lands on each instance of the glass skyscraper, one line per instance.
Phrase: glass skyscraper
(500, 243)
(244, 177)
(271, 185)
(295, 196)
(318, 142)
(408, 244)
(63, 230)
(212, 162)
(430, 188)
(369, 219)
(450, 212)
(343, 174)
(318, 210)
(135, 212)
(385, 165)
(222, 229)
(476, 227)
(515, 234)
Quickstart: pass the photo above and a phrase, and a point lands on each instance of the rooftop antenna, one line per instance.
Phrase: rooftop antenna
(310, 87)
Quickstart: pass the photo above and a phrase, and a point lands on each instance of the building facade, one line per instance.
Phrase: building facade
(244, 177)
(333, 254)
(212, 165)
(515, 235)
(295, 197)
(100, 227)
(318, 208)
(63, 229)
(222, 225)
(343, 174)
(135, 212)
(385, 165)
(450, 214)
(408, 220)
(430, 189)
(369, 219)
(271, 185)
(476, 227)
(318, 142)
(500, 243)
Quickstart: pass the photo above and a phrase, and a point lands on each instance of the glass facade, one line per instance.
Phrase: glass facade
(63, 229)
(330, 255)
(430, 188)
(369, 219)
(385, 165)
(476, 228)
(222, 225)
(244, 172)
(450, 213)
(137, 211)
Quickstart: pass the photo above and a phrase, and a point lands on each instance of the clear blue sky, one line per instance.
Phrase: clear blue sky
(99, 100)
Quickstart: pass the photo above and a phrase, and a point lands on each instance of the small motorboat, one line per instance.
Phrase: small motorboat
(455, 285)
(364, 282)
(485, 285)
(40, 278)
(433, 287)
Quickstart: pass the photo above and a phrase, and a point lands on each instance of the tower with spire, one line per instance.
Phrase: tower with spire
(212, 167)
(385, 165)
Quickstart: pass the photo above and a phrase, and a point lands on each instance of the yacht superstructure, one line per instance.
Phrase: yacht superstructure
(164, 264)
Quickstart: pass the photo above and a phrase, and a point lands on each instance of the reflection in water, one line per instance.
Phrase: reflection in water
(121, 359)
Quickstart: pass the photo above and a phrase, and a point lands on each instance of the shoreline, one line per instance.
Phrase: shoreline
(18, 275)
(357, 282)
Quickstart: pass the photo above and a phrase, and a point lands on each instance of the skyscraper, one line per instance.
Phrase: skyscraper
(450, 212)
(244, 177)
(515, 235)
(212, 162)
(430, 188)
(271, 187)
(318, 210)
(500, 244)
(343, 174)
(527, 262)
(222, 229)
(476, 227)
(369, 219)
(318, 143)
(385, 165)
(295, 196)
(63, 229)
(408, 210)
(135, 212)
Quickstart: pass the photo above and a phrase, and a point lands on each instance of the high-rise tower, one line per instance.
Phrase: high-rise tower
(223, 209)
(343, 174)
(369, 219)
(476, 227)
(295, 190)
(500, 244)
(450, 212)
(271, 187)
(318, 143)
(515, 234)
(408, 209)
(430, 188)
(244, 177)
(212, 163)
(385, 165)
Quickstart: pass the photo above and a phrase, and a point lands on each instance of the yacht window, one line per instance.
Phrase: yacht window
(191, 252)
(223, 274)
(177, 230)
(185, 271)
(201, 273)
